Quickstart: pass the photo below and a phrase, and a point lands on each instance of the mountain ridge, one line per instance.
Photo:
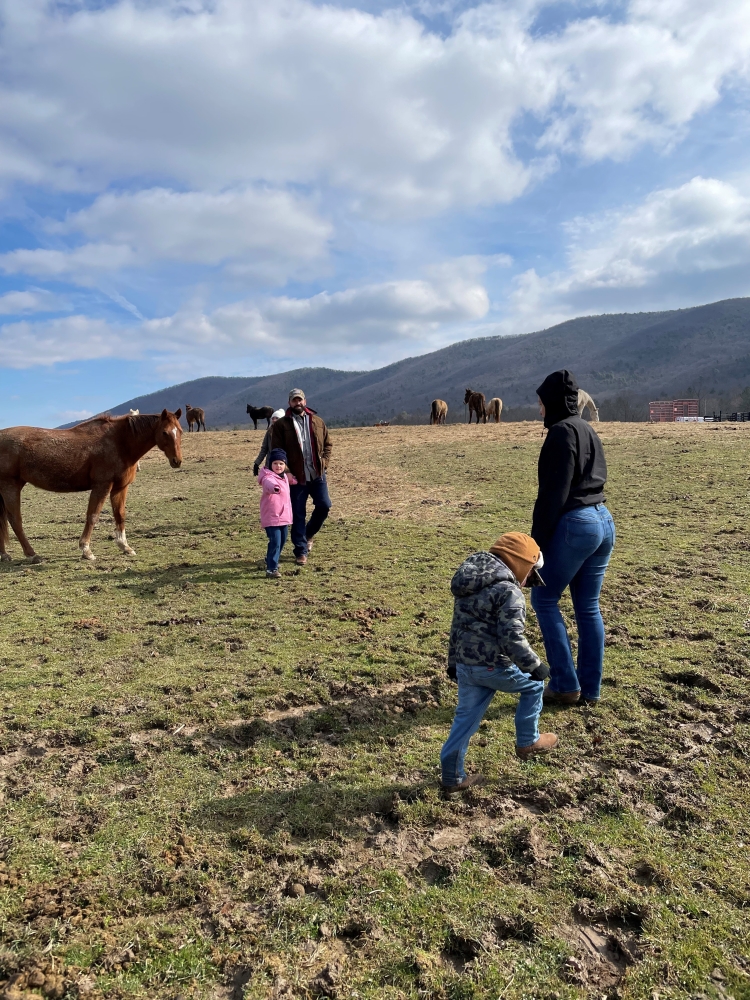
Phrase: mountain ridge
(650, 354)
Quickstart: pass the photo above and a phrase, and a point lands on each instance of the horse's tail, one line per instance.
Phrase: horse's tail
(4, 535)
(434, 412)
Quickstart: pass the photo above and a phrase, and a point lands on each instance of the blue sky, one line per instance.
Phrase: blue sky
(236, 187)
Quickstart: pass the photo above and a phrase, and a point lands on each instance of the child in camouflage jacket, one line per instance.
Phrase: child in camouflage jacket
(489, 652)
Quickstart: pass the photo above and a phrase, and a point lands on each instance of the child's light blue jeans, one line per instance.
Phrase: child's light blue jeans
(476, 689)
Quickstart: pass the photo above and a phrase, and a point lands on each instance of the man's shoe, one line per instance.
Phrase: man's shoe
(273, 574)
(309, 545)
(301, 560)
(560, 697)
(545, 743)
(470, 781)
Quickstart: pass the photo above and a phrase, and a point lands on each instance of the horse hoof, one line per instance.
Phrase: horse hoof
(88, 554)
(35, 560)
(128, 551)
(4, 557)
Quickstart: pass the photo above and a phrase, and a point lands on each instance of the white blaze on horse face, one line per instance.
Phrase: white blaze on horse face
(173, 432)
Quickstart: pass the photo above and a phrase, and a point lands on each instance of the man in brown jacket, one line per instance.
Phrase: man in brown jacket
(304, 438)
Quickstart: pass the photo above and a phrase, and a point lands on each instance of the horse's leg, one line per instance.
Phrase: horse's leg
(98, 496)
(12, 498)
(4, 533)
(117, 499)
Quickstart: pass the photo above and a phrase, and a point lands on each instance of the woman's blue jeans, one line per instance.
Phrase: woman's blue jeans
(576, 557)
(476, 689)
(276, 542)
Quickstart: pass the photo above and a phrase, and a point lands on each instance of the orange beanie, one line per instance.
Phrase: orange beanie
(519, 552)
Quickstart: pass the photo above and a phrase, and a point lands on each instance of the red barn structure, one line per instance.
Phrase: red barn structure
(672, 409)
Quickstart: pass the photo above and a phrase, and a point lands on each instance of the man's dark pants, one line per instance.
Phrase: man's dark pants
(317, 490)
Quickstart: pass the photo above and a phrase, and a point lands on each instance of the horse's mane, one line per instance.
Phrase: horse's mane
(142, 422)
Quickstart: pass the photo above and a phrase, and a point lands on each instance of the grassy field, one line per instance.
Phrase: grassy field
(215, 786)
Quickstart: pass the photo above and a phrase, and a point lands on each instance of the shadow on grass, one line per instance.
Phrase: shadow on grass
(323, 806)
(313, 811)
(143, 582)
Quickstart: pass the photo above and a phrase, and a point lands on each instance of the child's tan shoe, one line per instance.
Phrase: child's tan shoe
(545, 743)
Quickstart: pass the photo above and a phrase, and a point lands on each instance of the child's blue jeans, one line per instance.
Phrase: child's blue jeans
(476, 689)
(276, 542)
(577, 557)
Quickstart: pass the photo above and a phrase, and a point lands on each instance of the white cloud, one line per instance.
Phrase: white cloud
(642, 78)
(235, 92)
(366, 322)
(369, 322)
(72, 338)
(32, 300)
(68, 416)
(681, 246)
(81, 265)
(257, 230)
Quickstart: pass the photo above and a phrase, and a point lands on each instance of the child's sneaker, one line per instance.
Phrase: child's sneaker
(272, 574)
(545, 743)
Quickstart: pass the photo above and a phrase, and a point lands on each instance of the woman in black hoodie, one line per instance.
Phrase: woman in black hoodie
(576, 534)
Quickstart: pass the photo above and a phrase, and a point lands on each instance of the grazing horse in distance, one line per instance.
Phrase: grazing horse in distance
(438, 411)
(476, 404)
(195, 415)
(585, 400)
(260, 413)
(98, 455)
(495, 409)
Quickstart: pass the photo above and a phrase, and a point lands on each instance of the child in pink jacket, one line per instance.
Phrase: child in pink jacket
(275, 508)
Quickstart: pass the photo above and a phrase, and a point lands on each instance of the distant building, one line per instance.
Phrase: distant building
(673, 409)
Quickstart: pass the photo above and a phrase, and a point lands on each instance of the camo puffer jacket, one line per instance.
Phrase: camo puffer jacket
(489, 615)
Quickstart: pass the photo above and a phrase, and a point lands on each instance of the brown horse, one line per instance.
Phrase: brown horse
(438, 411)
(495, 409)
(98, 455)
(476, 404)
(195, 415)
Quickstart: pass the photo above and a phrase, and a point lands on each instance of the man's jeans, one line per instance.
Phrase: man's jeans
(276, 542)
(476, 689)
(317, 489)
(577, 557)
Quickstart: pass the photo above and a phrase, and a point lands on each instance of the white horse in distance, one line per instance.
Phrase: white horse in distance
(585, 400)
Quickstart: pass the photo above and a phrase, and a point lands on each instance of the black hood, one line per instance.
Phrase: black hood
(559, 393)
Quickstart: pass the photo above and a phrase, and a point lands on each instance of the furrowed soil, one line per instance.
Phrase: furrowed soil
(216, 786)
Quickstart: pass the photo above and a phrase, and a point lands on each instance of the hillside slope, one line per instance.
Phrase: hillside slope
(650, 354)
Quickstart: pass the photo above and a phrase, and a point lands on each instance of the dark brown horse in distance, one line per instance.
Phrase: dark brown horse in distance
(98, 455)
(260, 413)
(476, 404)
(438, 411)
(195, 415)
